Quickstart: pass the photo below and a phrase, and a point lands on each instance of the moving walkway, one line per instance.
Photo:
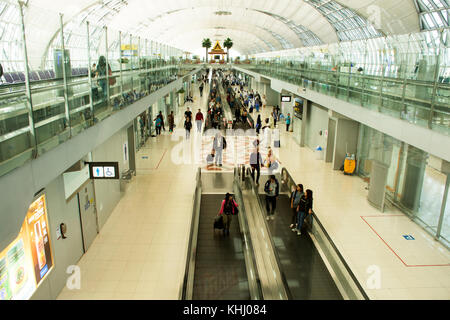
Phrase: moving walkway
(260, 260)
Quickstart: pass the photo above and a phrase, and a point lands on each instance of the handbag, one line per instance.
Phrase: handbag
(112, 81)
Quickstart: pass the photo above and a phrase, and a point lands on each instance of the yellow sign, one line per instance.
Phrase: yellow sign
(129, 47)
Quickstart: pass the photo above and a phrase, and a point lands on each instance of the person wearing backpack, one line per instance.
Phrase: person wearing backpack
(295, 201)
(227, 211)
(272, 191)
(304, 209)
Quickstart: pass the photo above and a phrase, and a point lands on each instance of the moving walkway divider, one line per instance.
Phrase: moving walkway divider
(283, 287)
(343, 276)
(254, 281)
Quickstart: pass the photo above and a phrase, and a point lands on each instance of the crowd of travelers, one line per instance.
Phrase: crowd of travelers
(248, 102)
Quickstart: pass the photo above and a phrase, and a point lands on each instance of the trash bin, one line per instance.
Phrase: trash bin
(319, 153)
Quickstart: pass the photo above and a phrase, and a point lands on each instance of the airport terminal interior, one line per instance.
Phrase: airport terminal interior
(225, 150)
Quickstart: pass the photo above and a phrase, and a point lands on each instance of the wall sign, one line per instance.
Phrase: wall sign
(286, 98)
(104, 170)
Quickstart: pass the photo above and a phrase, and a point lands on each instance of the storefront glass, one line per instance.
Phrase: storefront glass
(414, 184)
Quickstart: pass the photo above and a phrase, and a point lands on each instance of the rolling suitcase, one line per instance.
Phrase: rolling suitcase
(218, 223)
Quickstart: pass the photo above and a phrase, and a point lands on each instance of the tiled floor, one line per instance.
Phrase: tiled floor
(141, 251)
(340, 202)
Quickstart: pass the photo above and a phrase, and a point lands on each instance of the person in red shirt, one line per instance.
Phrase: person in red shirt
(199, 120)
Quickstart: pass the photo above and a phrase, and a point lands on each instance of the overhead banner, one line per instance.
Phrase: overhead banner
(26, 262)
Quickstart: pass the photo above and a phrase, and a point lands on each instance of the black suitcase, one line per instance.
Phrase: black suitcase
(218, 223)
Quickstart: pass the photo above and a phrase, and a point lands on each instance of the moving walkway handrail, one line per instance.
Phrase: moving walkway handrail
(277, 257)
(285, 174)
(254, 281)
(188, 282)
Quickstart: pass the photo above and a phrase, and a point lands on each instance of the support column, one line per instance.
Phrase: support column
(346, 141)
(414, 176)
(29, 103)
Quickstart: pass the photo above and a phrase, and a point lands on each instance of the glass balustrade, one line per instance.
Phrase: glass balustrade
(404, 76)
(68, 94)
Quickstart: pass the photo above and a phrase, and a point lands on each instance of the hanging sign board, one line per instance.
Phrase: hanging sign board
(104, 170)
(286, 98)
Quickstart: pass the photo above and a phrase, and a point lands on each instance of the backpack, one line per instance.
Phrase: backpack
(228, 208)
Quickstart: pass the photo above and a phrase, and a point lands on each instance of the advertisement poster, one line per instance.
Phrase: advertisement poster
(28, 259)
(298, 108)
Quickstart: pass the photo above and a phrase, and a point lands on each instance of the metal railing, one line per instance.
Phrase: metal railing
(186, 292)
(250, 183)
(425, 103)
(346, 279)
(254, 281)
(56, 111)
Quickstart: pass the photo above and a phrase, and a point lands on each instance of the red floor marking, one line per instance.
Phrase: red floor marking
(159, 163)
(393, 251)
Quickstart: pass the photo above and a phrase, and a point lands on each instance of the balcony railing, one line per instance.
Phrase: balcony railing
(54, 110)
(421, 102)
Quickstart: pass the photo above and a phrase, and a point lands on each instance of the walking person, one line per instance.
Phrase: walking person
(158, 125)
(272, 191)
(256, 163)
(274, 118)
(161, 116)
(219, 144)
(258, 124)
(201, 89)
(295, 201)
(228, 210)
(188, 127)
(188, 114)
(288, 122)
(199, 120)
(171, 119)
(304, 209)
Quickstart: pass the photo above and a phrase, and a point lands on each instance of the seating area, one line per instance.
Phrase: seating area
(41, 75)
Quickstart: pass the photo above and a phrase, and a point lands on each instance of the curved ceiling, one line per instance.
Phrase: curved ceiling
(254, 25)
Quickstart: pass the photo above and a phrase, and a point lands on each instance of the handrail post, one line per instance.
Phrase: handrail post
(29, 103)
(66, 88)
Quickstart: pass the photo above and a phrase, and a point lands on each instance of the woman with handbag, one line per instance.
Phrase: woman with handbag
(227, 211)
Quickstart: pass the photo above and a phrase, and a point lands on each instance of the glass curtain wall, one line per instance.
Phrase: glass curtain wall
(404, 76)
(87, 71)
(415, 183)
